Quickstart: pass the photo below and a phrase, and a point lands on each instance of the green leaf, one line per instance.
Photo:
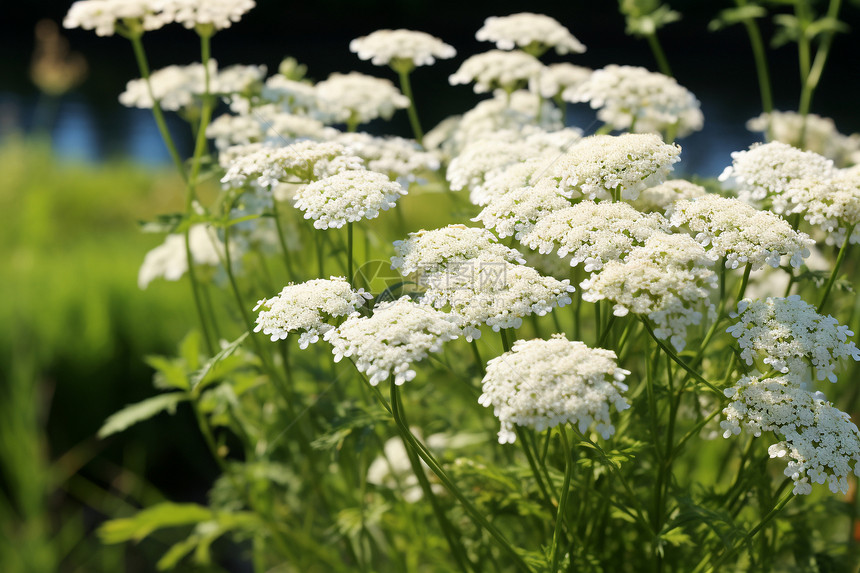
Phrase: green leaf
(189, 349)
(134, 413)
(166, 514)
(732, 16)
(825, 25)
(199, 380)
(236, 221)
(168, 223)
(169, 373)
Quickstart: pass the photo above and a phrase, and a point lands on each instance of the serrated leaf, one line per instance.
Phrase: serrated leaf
(198, 379)
(134, 413)
(146, 521)
(169, 373)
(676, 537)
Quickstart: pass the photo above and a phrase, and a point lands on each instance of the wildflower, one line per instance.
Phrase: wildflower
(395, 156)
(434, 251)
(308, 307)
(534, 33)
(218, 14)
(301, 162)
(520, 179)
(387, 343)
(544, 383)
(602, 165)
(296, 96)
(228, 129)
(555, 78)
(834, 208)
(738, 231)
(634, 99)
(401, 47)
(170, 261)
(593, 233)
(661, 196)
(821, 441)
(356, 98)
(666, 279)
(508, 71)
(820, 134)
(108, 17)
(790, 336)
(346, 197)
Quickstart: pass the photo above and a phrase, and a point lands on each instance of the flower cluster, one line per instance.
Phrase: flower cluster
(593, 233)
(819, 134)
(304, 161)
(395, 156)
(667, 279)
(496, 69)
(634, 99)
(661, 196)
(790, 336)
(307, 307)
(739, 232)
(602, 165)
(555, 78)
(544, 383)
(515, 211)
(390, 47)
(108, 17)
(388, 342)
(346, 197)
(821, 441)
(356, 98)
(169, 260)
(534, 33)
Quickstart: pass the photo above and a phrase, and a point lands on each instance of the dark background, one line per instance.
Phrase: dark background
(716, 66)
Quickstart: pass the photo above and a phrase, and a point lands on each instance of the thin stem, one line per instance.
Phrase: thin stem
(478, 360)
(843, 250)
(671, 354)
(349, 261)
(562, 504)
(814, 75)
(282, 240)
(406, 86)
(505, 344)
(521, 437)
(158, 114)
(659, 55)
(760, 57)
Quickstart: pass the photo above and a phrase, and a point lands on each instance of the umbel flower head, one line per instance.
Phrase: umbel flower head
(534, 33)
(555, 78)
(404, 49)
(661, 196)
(821, 442)
(819, 134)
(356, 98)
(496, 69)
(739, 232)
(667, 279)
(593, 233)
(634, 99)
(395, 156)
(347, 197)
(544, 383)
(602, 165)
(790, 336)
(308, 307)
(515, 212)
(169, 260)
(387, 343)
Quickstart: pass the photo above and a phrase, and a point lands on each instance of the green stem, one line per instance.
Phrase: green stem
(158, 114)
(478, 360)
(521, 437)
(562, 504)
(671, 354)
(505, 344)
(659, 55)
(349, 277)
(843, 250)
(406, 86)
(814, 75)
(760, 57)
(282, 239)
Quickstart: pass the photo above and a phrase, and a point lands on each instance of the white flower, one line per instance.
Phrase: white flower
(180, 87)
(666, 279)
(555, 78)
(821, 135)
(104, 15)
(303, 161)
(834, 208)
(219, 14)
(295, 95)
(515, 211)
(659, 197)
(600, 165)
(632, 98)
(508, 71)
(228, 129)
(790, 336)
(531, 32)
(434, 251)
(308, 307)
(397, 334)
(544, 383)
(593, 233)
(395, 156)
(347, 197)
(356, 98)
(738, 231)
(821, 441)
(387, 47)
(169, 260)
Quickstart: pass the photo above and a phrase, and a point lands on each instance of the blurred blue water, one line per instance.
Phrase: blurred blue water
(79, 131)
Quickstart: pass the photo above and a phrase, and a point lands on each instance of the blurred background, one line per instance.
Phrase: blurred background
(79, 171)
